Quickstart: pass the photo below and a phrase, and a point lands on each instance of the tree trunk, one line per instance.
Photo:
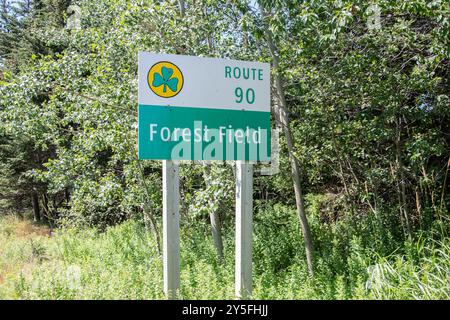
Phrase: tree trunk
(45, 209)
(214, 216)
(182, 7)
(36, 210)
(216, 226)
(67, 196)
(147, 209)
(216, 229)
(401, 179)
(281, 109)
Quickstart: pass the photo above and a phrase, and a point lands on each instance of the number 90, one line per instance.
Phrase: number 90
(249, 95)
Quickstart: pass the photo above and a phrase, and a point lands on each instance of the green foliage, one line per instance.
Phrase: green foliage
(278, 240)
(368, 107)
(421, 274)
(122, 263)
(369, 115)
(217, 194)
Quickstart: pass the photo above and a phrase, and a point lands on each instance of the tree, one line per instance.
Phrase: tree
(281, 114)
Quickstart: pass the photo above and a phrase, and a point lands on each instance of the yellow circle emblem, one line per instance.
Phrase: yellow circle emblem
(165, 79)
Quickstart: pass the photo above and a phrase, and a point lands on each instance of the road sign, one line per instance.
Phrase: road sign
(193, 108)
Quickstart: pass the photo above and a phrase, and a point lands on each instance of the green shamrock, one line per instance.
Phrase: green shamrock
(165, 79)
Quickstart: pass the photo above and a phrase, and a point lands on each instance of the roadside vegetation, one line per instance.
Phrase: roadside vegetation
(358, 210)
(122, 263)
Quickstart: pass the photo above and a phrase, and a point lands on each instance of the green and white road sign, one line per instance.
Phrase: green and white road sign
(193, 108)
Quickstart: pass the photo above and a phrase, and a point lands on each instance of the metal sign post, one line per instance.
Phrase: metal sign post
(244, 229)
(171, 228)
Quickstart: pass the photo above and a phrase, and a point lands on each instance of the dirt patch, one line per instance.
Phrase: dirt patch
(28, 229)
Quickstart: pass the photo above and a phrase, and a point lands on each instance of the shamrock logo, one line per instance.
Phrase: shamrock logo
(165, 79)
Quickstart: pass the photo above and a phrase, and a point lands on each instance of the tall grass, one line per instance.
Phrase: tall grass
(122, 263)
(426, 275)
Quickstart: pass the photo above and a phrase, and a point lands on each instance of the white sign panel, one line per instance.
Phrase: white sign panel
(209, 83)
